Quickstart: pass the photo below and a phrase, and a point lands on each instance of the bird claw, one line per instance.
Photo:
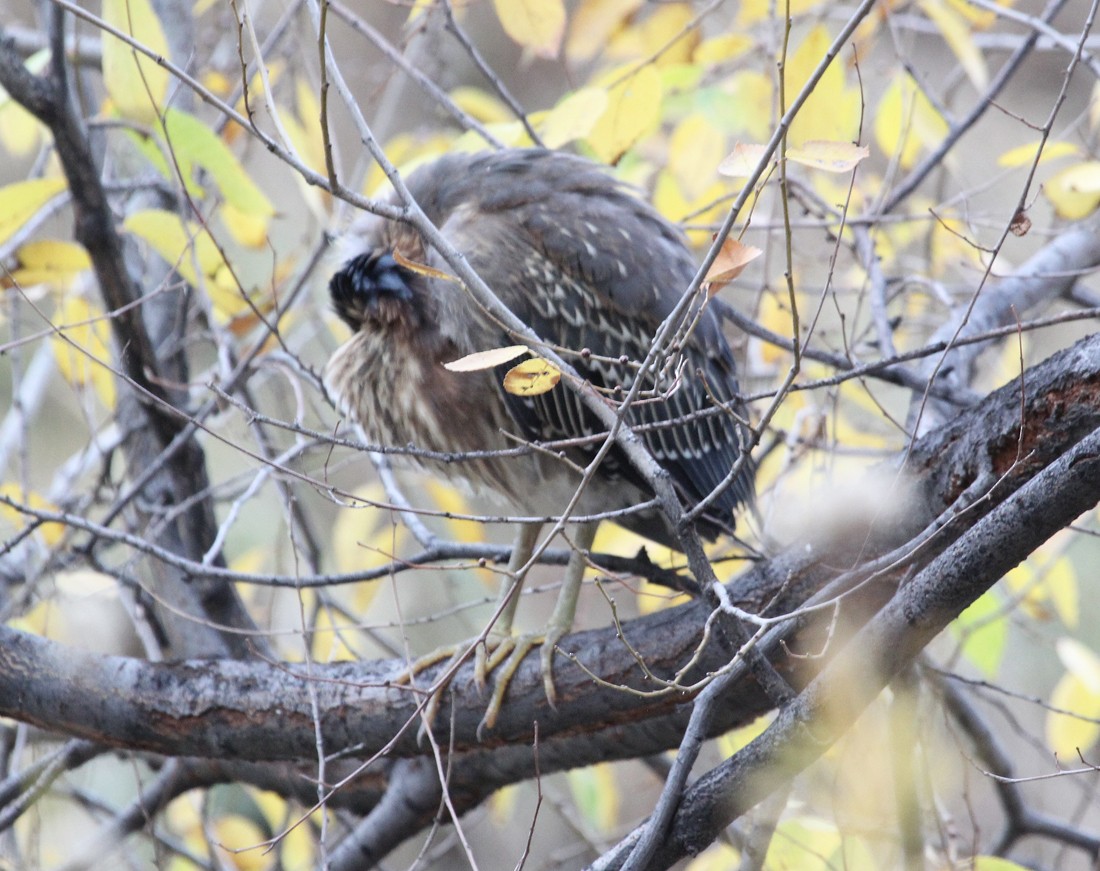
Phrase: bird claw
(500, 654)
(517, 648)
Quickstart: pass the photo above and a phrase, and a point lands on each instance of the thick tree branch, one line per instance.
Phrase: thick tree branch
(256, 710)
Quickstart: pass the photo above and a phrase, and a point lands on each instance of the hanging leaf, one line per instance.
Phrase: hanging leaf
(47, 261)
(137, 85)
(422, 268)
(953, 27)
(906, 122)
(633, 111)
(694, 149)
(1078, 692)
(742, 161)
(984, 633)
(195, 144)
(573, 118)
(596, 794)
(532, 377)
(537, 25)
(51, 532)
(480, 360)
(594, 23)
(833, 109)
(730, 262)
(183, 244)
(192, 251)
(1024, 155)
(82, 348)
(829, 156)
(995, 863)
(20, 131)
(21, 201)
(480, 105)
(1075, 191)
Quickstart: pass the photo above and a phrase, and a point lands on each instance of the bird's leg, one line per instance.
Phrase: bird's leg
(560, 623)
(500, 641)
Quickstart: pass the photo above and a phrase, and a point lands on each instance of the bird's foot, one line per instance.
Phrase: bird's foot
(508, 656)
(499, 654)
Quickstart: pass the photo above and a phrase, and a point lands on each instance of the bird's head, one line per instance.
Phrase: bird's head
(373, 289)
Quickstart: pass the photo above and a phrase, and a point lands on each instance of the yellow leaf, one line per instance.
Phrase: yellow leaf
(805, 843)
(996, 863)
(736, 739)
(194, 143)
(984, 633)
(511, 134)
(82, 347)
(480, 105)
(1070, 732)
(137, 86)
(503, 803)
(719, 49)
(956, 34)
(906, 121)
(364, 538)
(183, 244)
(716, 857)
(47, 261)
(751, 97)
(982, 19)
(1075, 191)
(730, 262)
(705, 209)
(485, 359)
(829, 156)
(186, 245)
(451, 502)
(664, 35)
(249, 230)
(695, 150)
(1024, 155)
(532, 377)
(573, 118)
(308, 114)
(51, 532)
(776, 316)
(594, 23)
(1060, 584)
(742, 161)
(421, 268)
(406, 152)
(633, 111)
(19, 202)
(241, 844)
(597, 796)
(832, 110)
(20, 131)
(752, 11)
(537, 25)
(333, 636)
(1081, 662)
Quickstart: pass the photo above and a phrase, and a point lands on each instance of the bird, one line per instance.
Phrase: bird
(593, 270)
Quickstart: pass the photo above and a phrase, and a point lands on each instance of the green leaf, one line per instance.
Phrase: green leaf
(137, 85)
(984, 633)
(194, 143)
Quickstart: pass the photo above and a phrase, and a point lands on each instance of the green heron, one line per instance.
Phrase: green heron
(593, 271)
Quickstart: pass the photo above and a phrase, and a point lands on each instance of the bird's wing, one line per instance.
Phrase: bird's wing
(587, 266)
